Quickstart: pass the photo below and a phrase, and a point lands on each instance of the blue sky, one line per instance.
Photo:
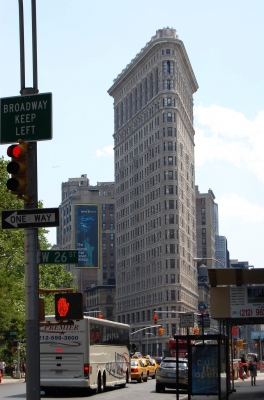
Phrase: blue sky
(83, 45)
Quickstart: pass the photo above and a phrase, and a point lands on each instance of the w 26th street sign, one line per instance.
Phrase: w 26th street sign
(35, 218)
(58, 257)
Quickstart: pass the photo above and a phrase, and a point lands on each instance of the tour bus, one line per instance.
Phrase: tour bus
(88, 354)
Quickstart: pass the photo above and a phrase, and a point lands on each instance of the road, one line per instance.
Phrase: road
(133, 391)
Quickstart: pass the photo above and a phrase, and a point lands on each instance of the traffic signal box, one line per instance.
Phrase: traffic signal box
(68, 306)
(18, 168)
(161, 331)
(155, 319)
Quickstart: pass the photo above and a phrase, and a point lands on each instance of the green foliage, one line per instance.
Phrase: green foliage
(12, 275)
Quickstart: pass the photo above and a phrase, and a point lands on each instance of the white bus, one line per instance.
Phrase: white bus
(90, 354)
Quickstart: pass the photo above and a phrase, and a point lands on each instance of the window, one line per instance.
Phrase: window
(103, 207)
(170, 160)
(168, 67)
(112, 266)
(171, 218)
(171, 204)
(104, 275)
(104, 246)
(111, 227)
(203, 201)
(111, 236)
(111, 206)
(203, 210)
(104, 236)
(203, 231)
(170, 189)
(204, 252)
(203, 221)
(169, 130)
(173, 295)
(170, 175)
(169, 101)
(111, 217)
(204, 241)
(104, 265)
(168, 85)
(170, 146)
(171, 233)
(172, 263)
(167, 51)
(104, 227)
(172, 249)
(111, 246)
(103, 217)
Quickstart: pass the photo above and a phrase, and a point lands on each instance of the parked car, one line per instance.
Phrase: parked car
(138, 370)
(154, 363)
(158, 359)
(166, 374)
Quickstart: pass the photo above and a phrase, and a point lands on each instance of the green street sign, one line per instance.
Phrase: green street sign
(26, 117)
(58, 257)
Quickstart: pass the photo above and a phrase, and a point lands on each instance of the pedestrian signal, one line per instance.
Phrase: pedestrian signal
(68, 306)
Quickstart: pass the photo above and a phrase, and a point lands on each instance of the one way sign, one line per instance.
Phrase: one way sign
(35, 218)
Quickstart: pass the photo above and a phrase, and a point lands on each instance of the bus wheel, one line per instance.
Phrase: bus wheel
(99, 384)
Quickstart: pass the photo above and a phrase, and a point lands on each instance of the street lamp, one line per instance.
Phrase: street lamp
(156, 342)
(197, 259)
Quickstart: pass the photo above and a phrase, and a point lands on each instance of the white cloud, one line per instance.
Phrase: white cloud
(106, 151)
(228, 135)
(233, 206)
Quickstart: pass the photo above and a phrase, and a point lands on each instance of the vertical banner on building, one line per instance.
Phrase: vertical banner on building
(205, 369)
(86, 234)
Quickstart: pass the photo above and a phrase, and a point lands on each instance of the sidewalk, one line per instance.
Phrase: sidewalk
(244, 390)
(9, 379)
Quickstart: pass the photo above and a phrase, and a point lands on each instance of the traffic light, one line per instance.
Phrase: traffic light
(155, 319)
(239, 344)
(18, 168)
(161, 331)
(68, 306)
(100, 316)
(196, 331)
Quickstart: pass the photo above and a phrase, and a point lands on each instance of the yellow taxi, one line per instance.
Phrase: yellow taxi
(150, 367)
(138, 370)
(154, 363)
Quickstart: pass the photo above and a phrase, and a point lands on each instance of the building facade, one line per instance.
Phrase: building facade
(93, 237)
(155, 189)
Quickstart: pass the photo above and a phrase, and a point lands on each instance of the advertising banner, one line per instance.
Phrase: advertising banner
(247, 301)
(86, 234)
(205, 369)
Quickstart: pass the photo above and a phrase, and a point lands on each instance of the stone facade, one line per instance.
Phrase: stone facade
(155, 189)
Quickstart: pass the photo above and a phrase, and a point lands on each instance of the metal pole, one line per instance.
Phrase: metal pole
(18, 361)
(22, 44)
(31, 234)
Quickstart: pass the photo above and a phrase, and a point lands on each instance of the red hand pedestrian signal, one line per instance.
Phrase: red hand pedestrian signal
(68, 306)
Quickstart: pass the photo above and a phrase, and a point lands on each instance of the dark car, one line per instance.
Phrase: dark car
(158, 359)
(166, 374)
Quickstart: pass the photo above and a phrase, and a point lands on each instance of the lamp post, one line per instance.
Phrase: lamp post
(156, 342)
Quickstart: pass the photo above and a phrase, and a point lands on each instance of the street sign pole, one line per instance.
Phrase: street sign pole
(31, 234)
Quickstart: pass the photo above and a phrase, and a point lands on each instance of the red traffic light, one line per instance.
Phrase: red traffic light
(18, 168)
(155, 319)
(68, 306)
(100, 316)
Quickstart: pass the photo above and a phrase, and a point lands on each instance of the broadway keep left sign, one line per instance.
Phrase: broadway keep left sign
(26, 117)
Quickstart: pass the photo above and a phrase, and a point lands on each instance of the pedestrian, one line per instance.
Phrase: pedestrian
(2, 367)
(244, 366)
(252, 366)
